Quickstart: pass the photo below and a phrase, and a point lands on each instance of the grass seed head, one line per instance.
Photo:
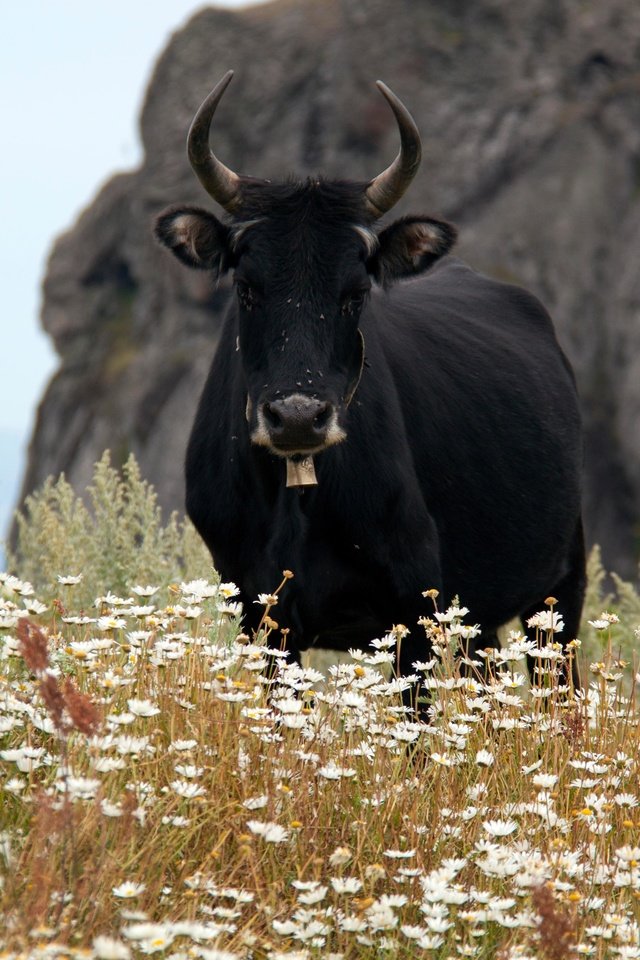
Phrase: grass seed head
(33, 646)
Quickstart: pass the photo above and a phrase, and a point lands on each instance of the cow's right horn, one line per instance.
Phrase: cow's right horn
(386, 189)
(219, 181)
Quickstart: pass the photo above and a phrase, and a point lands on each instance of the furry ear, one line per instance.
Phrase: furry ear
(409, 246)
(195, 237)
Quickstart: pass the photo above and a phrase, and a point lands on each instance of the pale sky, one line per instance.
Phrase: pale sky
(72, 76)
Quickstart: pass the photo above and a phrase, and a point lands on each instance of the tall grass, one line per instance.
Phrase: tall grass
(172, 786)
(116, 536)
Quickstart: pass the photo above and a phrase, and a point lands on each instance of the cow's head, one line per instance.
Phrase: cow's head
(303, 257)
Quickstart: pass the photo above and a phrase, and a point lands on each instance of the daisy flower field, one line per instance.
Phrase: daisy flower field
(172, 786)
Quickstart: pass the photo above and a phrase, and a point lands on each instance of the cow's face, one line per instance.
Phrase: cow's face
(303, 259)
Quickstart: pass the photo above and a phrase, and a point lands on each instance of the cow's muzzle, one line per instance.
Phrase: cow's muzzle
(297, 424)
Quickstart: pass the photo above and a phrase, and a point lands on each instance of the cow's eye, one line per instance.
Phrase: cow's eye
(246, 294)
(352, 303)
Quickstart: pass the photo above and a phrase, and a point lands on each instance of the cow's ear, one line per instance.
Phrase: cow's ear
(409, 246)
(196, 237)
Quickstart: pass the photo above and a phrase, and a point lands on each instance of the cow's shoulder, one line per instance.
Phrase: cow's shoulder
(455, 306)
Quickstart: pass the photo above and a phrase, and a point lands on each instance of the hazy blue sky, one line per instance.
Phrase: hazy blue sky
(72, 75)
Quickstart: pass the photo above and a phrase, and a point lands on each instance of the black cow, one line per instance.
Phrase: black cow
(374, 427)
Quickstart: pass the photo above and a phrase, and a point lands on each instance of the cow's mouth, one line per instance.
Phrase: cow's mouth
(297, 451)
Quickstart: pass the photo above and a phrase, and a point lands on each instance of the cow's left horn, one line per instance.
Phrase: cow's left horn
(387, 188)
(219, 181)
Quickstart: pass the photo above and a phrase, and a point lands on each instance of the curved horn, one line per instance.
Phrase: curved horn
(219, 181)
(387, 188)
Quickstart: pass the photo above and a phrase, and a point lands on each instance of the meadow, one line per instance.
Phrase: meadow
(173, 786)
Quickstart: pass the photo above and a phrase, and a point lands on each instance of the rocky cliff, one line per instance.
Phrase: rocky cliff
(530, 118)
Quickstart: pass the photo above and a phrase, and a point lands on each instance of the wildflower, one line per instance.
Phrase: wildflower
(147, 591)
(549, 653)
(316, 895)
(15, 785)
(128, 890)
(405, 732)
(156, 944)
(189, 770)
(340, 857)
(499, 828)
(25, 758)
(69, 580)
(531, 768)
(133, 745)
(182, 746)
(22, 587)
(626, 800)
(199, 588)
(610, 617)
(349, 885)
(413, 932)
(484, 758)
(111, 623)
(107, 764)
(266, 599)
(270, 832)
(548, 621)
(452, 613)
(81, 788)
(400, 854)
(331, 771)
(445, 760)
(182, 788)
(230, 610)
(350, 698)
(143, 930)
(300, 930)
(545, 780)
(120, 719)
(108, 948)
(143, 708)
(380, 916)
(141, 611)
(384, 643)
(438, 924)
(255, 803)
(629, 855)
(424, 666)
(35, 607)
(288, 705)
(228, 590)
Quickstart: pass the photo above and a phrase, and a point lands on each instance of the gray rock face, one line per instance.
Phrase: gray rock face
(530, 118)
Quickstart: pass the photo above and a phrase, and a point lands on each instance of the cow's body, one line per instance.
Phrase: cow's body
(461, 471)
(451, 459)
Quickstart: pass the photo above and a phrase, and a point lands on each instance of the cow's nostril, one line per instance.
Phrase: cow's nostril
(271, 415)
(321, 419)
